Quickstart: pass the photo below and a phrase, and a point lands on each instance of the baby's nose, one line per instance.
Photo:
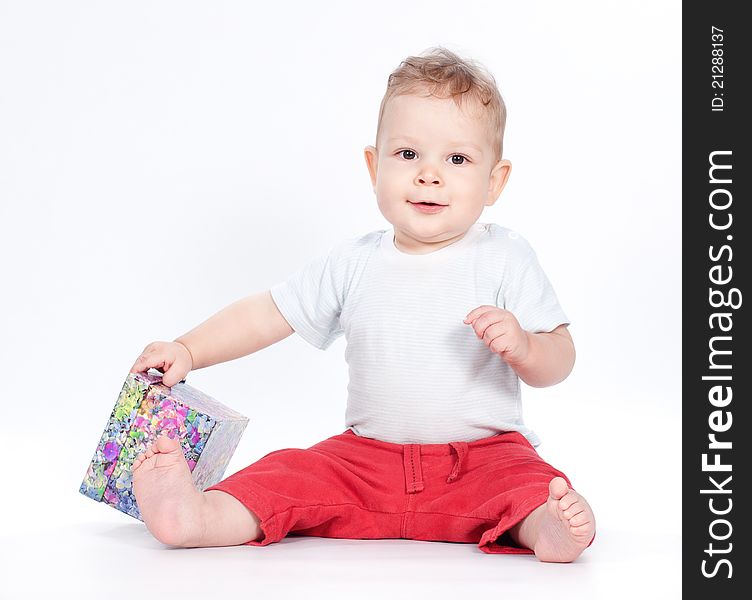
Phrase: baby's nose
(427, 178)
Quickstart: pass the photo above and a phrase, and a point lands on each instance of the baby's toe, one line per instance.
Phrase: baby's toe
(583, 531)
(569, 500)
(579, 519)
(574, 509)
(165, 444)
(557, 488)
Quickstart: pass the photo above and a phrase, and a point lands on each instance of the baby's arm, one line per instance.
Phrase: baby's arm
(241, 328)
(550, 358)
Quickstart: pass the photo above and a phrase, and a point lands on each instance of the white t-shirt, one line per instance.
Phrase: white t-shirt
(417, 373)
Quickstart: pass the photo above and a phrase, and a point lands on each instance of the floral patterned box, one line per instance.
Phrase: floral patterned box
(145, 409)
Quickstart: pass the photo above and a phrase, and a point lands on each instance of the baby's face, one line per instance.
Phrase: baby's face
(431, 150)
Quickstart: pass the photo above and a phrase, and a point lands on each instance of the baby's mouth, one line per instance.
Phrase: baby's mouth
(427, 203)
(426, 207)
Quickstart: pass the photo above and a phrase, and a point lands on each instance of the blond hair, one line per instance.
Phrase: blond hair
(440, 73)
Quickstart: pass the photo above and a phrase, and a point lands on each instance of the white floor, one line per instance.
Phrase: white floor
(55, 542)
(111, 555)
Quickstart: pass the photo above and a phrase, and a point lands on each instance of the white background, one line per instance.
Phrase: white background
(159, 160)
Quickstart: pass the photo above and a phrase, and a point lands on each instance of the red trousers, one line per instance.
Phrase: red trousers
(354, 487)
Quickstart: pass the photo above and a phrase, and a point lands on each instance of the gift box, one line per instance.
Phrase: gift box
(208, 432)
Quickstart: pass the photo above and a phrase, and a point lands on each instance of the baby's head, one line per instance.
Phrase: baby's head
(439, 139)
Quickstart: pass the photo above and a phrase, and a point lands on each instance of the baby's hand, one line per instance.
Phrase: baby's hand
(172, 358)
(501, 332)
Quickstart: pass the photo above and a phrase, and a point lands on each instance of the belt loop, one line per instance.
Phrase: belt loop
(413, 468)
(461, 448)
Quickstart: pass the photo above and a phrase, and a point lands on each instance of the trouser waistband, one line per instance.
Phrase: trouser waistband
(411, 459)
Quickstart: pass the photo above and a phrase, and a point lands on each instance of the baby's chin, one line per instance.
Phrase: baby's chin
(429, 235)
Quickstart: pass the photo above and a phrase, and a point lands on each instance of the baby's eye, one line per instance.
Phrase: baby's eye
(458, 159)
(407, 154)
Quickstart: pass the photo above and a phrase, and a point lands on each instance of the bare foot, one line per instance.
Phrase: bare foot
(565, 524)
(170, 505)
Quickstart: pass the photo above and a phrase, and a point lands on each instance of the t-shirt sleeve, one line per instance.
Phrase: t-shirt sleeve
(528, 294)
(311, 300)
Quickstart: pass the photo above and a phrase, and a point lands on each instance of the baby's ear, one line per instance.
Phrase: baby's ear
(372, 162)
(497, 180)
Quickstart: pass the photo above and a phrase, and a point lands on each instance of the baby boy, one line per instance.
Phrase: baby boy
(443, 317)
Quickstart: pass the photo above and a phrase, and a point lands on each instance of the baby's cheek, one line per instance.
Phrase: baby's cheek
(391, 185)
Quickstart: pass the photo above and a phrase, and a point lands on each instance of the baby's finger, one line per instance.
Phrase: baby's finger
(493, 332)
(147, 361)
(171, 377)
(486, 320)
(501, 344)
(138, 366)
(476, 312)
